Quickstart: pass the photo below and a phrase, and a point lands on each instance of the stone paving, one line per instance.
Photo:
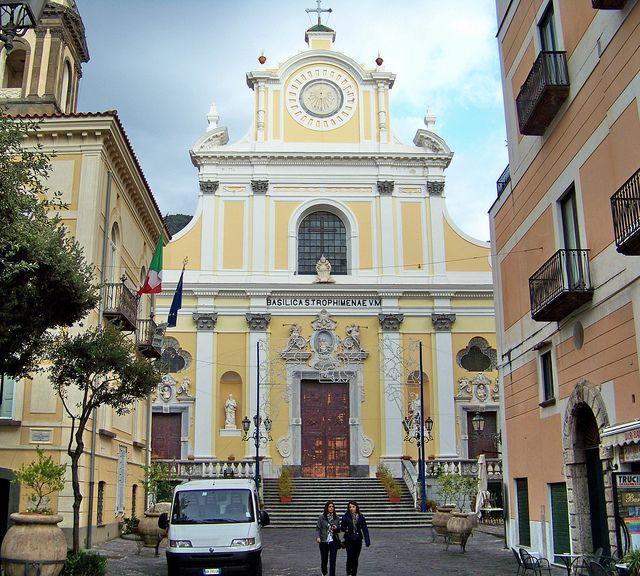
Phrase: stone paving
(293, 552)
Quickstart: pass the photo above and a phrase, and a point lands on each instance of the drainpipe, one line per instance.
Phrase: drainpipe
(94, 426)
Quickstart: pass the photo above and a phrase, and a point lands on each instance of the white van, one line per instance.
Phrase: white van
(214, 528)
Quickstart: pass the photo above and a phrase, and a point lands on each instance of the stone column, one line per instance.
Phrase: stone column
(446, 411)
(392, 415)
(261, 112)
(388, 238)
(205, 413)
(382, 111)
(258, 324)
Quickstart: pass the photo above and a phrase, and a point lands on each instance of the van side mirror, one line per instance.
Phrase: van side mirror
(264, 518)
(163, 521)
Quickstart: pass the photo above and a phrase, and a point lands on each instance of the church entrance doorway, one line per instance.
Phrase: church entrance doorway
(325, 429)
(165, 434)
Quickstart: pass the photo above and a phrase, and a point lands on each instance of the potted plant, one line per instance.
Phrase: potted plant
(393, 490)
(632, 560)
(158, 486)
(285, 484)
(35, 535)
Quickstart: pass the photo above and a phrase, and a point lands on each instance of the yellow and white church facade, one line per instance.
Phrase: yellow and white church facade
(320, 256)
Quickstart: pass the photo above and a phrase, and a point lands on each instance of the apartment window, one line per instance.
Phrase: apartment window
(522, 497)
(546, 376)
(100, 504)
(322, 234)
(8, 395)
(547, 29)
(571, 237)
(121, 478)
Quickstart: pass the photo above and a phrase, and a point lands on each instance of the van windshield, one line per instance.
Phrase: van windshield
(219, 506)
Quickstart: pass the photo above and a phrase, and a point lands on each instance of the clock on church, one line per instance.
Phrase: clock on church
(321, 98)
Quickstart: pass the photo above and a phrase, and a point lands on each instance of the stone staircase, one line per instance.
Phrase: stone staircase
(310, 494)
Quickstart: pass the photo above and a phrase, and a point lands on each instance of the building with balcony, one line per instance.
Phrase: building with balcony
(114, 217)
(564, 231)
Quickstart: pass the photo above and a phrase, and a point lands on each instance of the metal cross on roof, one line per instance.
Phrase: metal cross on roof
(318, 10)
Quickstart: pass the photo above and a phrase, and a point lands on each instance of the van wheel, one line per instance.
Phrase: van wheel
(258, 571)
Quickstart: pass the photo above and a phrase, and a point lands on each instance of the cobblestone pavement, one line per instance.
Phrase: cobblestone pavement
(293, 552)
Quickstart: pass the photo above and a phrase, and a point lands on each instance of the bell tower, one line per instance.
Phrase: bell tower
(41, 74)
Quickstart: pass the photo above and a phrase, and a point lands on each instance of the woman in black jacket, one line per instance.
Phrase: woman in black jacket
(355, 530)
(328, 539)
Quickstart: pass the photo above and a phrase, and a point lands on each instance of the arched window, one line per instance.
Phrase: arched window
(14, 69)
(322, 234)
(112, 272)
(65, 89)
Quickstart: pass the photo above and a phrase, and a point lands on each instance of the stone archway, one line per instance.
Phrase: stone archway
(585, 417)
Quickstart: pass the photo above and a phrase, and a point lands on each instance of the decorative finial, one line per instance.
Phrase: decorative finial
(318, 10)
(213, 117)
(379, 60)
(430, 120)
(262, 58)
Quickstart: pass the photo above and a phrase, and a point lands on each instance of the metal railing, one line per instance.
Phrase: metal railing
(566, 271)
(625, 208)
(503, 180)
(548, 72)
(120, 304)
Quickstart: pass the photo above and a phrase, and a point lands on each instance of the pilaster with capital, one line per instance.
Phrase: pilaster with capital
(259, 186)
(206, 321)
(442, 324)
(205, 415)
(390, 326)
(209, 187)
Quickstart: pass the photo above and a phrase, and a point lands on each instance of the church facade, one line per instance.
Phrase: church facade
(324, 284)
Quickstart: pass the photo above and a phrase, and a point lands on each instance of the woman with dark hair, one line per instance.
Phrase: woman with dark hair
(355, 530)
(327, 529)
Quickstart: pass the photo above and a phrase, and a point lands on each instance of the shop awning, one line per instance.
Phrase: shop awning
(621, 434)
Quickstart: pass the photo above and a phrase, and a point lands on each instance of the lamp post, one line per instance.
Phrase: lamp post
(415, 429)
(17, 17)
(259, 438)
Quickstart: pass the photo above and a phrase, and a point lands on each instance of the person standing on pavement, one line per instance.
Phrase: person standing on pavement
(354, 526)
(328, 539)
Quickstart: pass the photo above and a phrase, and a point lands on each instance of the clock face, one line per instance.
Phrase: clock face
(321, 97)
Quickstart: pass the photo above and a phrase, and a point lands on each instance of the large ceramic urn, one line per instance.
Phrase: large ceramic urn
(33, 538)
(440, 519)
(148, 528)
(459, 528)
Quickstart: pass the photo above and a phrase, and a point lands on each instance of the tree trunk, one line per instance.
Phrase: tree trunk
(75, 454)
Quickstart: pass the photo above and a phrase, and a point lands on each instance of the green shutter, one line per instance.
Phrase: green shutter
(522, 497)
(6, 408)
(560, 519)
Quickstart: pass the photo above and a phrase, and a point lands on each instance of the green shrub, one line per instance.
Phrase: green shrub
(632, 560)
(84, 563)
(285, 482)
(130, 525)
(42, 477)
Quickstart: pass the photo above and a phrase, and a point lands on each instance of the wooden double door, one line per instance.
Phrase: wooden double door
(165, 436)
(325, 429)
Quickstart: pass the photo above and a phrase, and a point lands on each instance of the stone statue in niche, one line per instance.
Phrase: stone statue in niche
(230, 407)
(323, 271)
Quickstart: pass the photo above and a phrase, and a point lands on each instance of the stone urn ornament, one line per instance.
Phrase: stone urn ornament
(440, 519)
(148, 528)
(35, 535)
(459, 528)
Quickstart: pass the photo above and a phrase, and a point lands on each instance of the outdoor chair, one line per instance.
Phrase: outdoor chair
(518, 560)
(596, 569)
(536, 565)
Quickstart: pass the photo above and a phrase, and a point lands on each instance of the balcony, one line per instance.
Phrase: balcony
(608, 4)
(560, 286)
(625, 207)
(503, 181)
(145, 334)
(543, 93)
(120, 306)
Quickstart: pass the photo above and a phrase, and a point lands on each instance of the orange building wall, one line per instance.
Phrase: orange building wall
(518, 29)
(576, 18)
(535, 248)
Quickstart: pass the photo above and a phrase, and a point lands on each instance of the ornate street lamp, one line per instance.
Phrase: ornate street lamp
(17, 17)
(478, 427)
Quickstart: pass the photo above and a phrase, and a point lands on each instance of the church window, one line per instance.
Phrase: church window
(322, 234)
(478, 356)
(14, 68)
(65, 90)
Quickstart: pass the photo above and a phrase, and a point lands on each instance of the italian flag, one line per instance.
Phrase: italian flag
(153, 282)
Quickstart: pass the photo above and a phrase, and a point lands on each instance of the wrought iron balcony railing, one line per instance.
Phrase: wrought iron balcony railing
(560, 286)
(147, 330)
(120, 305)
(503, 181)
(608, 4)
(625, 207)
(543, 93)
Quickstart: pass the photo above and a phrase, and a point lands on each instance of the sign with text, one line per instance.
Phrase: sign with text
(627, 500)
(324, 302)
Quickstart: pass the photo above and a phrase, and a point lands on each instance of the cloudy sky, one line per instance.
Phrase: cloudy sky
(161, 64)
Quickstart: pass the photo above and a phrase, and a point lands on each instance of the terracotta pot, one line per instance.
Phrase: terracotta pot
(148, 528)
(285, 498)
(459, 527)
(440, 519)
(34, 537)
(394, 499)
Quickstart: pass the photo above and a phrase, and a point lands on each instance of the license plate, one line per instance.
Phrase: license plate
(211, 571)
